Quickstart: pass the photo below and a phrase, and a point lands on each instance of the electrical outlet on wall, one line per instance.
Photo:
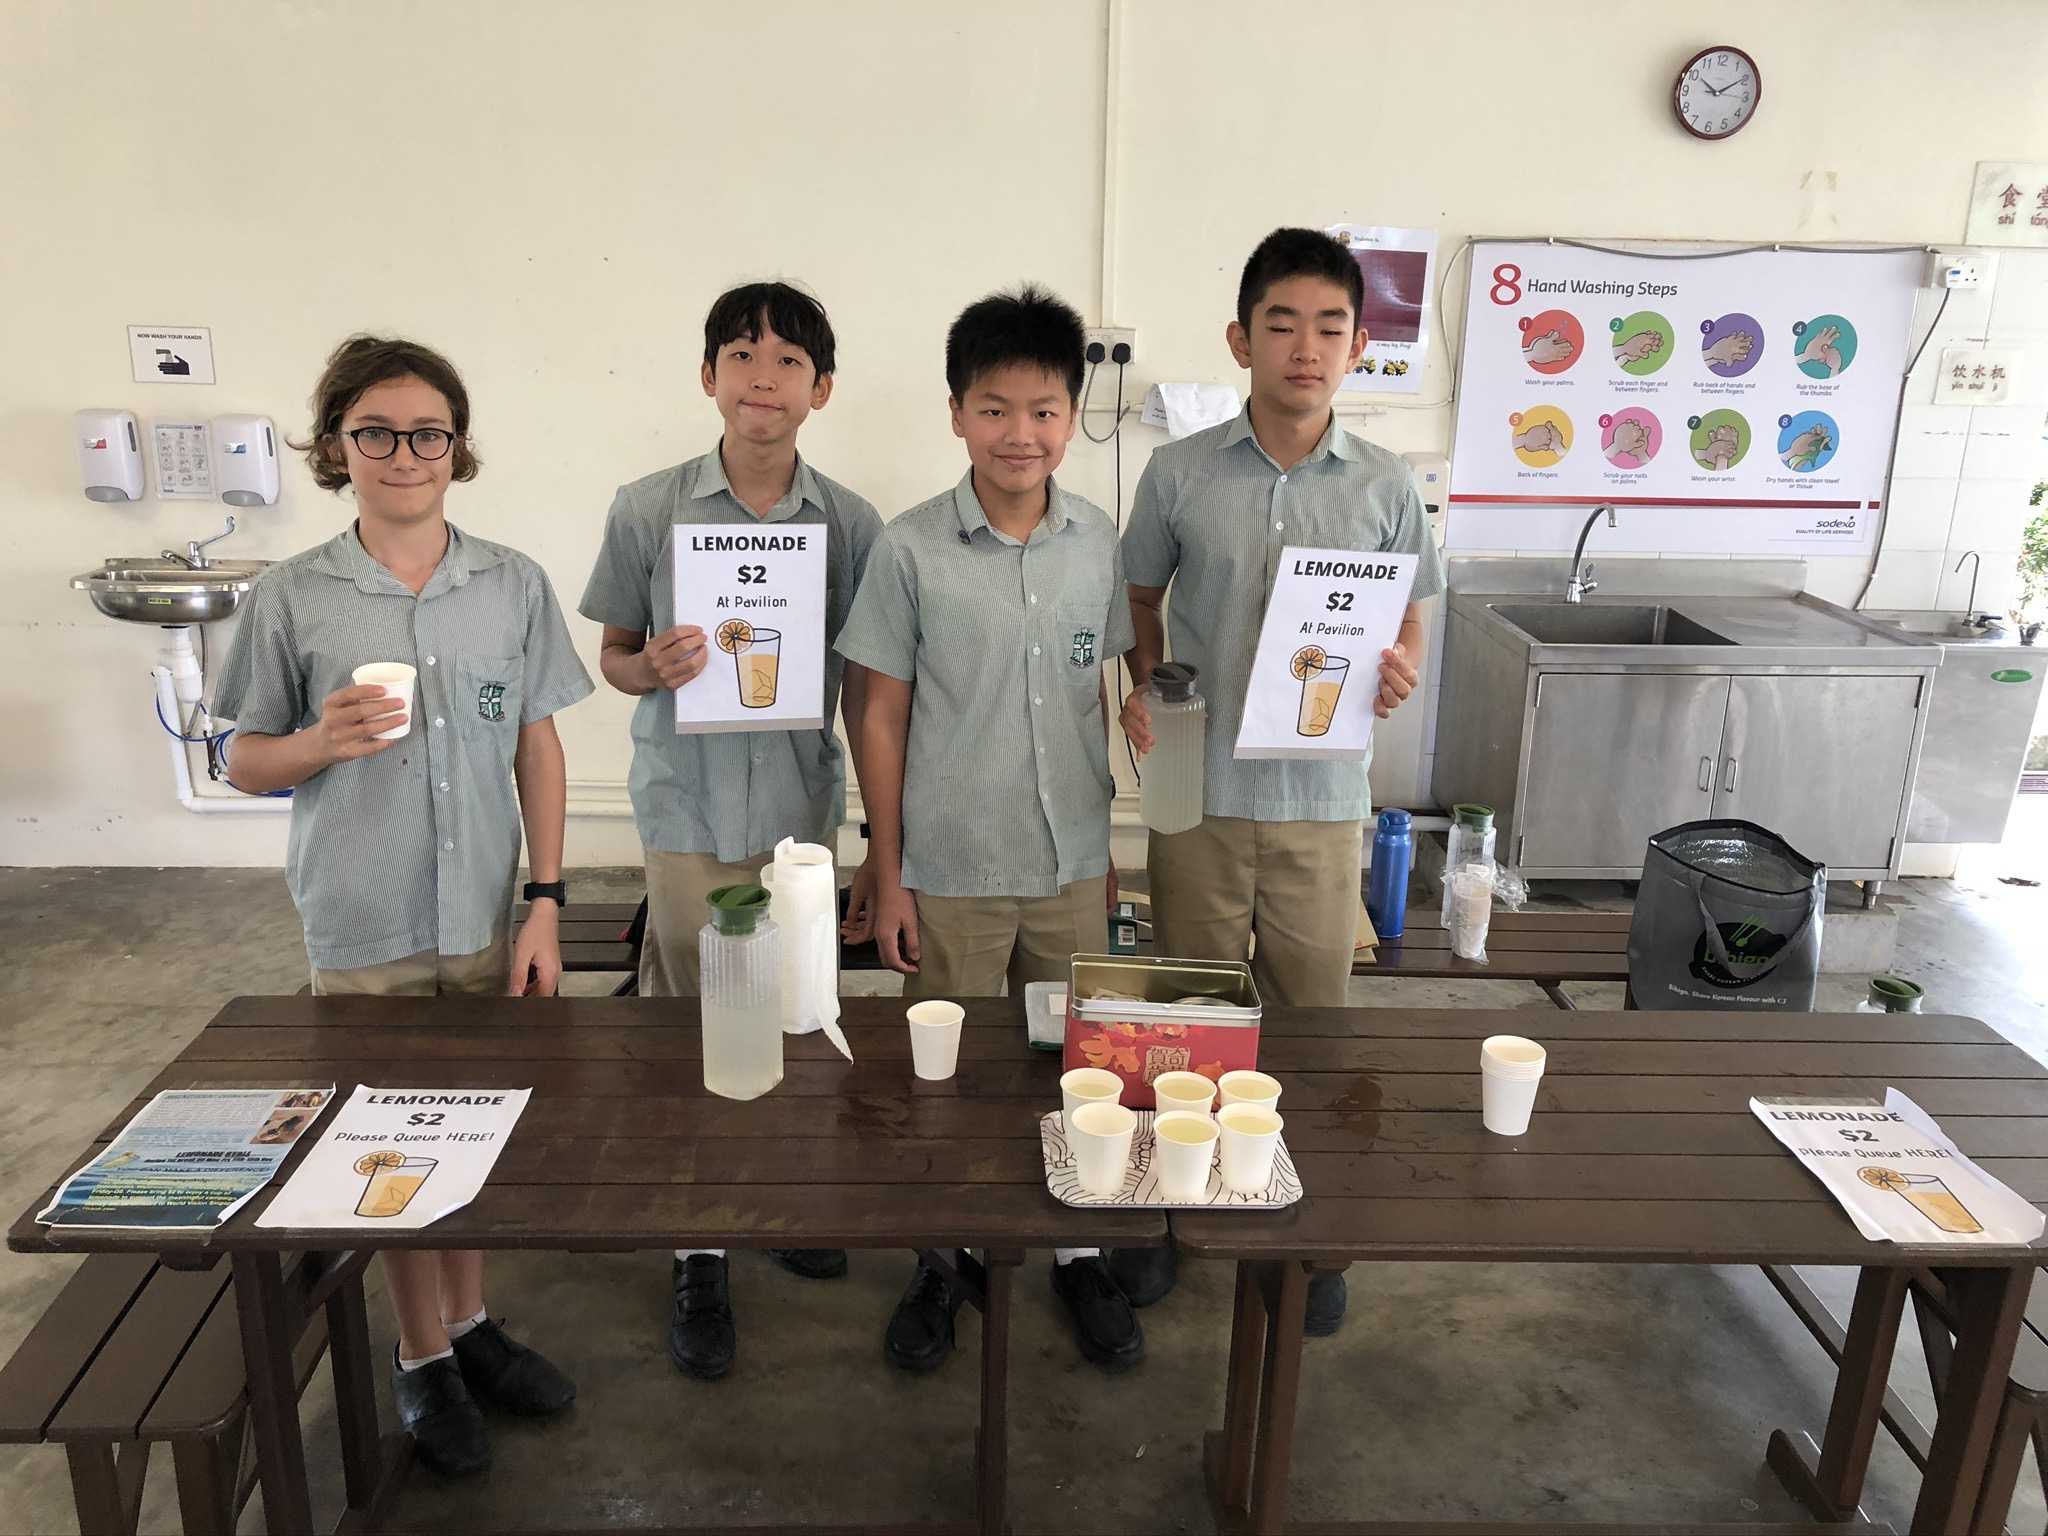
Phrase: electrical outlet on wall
(1113, 336)
(1955, 269)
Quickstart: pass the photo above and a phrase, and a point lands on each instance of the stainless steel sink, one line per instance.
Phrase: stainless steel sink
(151, 590)
(1606, 624)
(1942, 624)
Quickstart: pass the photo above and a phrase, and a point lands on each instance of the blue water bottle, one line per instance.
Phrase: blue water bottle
(1386, 892)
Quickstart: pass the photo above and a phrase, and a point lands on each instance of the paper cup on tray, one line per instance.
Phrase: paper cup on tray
(1100, 1137)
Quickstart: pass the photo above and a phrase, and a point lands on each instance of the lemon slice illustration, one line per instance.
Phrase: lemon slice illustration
(370, 1162)
(734, 635)
(1306, 662)
(1882, 1178)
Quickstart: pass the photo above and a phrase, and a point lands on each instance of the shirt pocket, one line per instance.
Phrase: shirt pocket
(489, 692)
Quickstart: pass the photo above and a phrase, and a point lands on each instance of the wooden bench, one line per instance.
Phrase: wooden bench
(605, 937)
(133, 1354)
(1547, 948)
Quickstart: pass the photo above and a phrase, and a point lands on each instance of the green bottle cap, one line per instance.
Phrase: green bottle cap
(1895, 994)
(738, 909)
(1480, 816)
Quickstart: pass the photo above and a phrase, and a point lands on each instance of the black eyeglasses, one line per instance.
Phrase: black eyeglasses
(426, 443)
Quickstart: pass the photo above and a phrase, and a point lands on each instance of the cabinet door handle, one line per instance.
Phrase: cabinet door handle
(1706, 773)
(1728, 777)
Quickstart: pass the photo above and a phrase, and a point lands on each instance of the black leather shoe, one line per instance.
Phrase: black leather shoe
(811, 1263)
(447, 1426)
(920, 1333)
(1326, 1298)
(506, 1374)
(1144, 1275)
(701, 1337)
(1104, 1325)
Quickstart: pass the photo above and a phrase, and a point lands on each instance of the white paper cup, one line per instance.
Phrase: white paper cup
(1087, 1085)
(1100, 1136)
(1183, 1090)
(397, 680)
(1250, 1135)
(935, 1039)
(1510, 1068)
(1248, 1088)
(1183, 1151)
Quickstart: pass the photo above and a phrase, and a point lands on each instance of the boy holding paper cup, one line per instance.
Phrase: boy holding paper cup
(405, 832)
(1277, 853)
(710, 806)
(984, 622)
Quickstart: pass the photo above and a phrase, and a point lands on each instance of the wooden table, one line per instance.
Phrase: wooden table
(1642, 1151)
(620, 1149)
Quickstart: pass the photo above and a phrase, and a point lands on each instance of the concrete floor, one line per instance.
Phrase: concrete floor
(1455, 1392)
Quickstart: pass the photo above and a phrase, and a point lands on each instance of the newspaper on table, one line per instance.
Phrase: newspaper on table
(399, 1158)
(1897, 1175)
(188, 1161)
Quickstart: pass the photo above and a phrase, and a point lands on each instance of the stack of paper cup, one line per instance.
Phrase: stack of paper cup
(935, 1039)
(1087, 1085)
(1100, 1137)
(397, 680)
(1250, 1134)
(1510, 1068)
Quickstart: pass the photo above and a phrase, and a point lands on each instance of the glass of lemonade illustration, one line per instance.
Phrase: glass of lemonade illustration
(1926, 1193)
(756, 658)
(1322, 680)
(394, 1179)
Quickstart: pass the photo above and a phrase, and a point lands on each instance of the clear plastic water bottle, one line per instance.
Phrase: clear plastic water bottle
(740, 952)
(1170, 791)
(1386, 891)
(1471, 842)
(1892, 994)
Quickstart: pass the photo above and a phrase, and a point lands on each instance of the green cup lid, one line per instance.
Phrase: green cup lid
(738, 908)
(1467, 815)
(1895, 990)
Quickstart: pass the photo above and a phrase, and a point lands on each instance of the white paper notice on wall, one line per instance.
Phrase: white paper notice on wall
(758, 593)
(171, 354)
(184, 464)
(2009, 203)
(1975, 376)
(1397, 266)
(1729, 403)
(1317, 670)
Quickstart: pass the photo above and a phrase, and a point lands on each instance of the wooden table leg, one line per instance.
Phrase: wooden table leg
(273, 1393)
(992, 1440)
(355, 1392)
(1990, 1304)
(206, 1469)
(1832, 1489)
(106, 1485)
(1287, 1302)
(1227, 1456)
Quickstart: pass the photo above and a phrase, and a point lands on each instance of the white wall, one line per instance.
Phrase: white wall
(553, 195)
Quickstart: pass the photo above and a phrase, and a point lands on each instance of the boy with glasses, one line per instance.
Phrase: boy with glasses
(404, 847)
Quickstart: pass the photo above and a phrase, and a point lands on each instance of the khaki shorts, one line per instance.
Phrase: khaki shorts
(968, 945)
(677, 884)
(1293, 883)
(487, 973)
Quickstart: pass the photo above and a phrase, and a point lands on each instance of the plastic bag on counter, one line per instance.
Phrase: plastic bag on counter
(1470, 894)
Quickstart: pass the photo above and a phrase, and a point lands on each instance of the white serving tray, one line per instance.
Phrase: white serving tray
(1141, 1187)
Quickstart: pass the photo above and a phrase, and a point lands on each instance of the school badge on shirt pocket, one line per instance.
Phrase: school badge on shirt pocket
(1083, 652)
(490, 701)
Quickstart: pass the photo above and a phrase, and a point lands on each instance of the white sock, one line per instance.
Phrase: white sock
(457, 1330)
(413, 1365)
(1068, 1255)
(691, 1253)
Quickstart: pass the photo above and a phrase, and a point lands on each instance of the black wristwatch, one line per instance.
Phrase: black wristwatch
(555, 890)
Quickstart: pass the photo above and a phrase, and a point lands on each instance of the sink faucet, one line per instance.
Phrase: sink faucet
(1581, 581)
(1971, 616)
(195, 551)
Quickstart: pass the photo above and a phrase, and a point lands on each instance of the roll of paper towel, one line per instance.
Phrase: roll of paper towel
(806, 908)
